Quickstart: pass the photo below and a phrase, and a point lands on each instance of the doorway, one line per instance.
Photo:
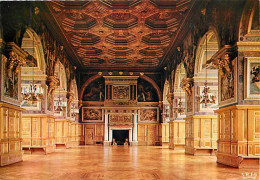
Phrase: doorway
(120, 136)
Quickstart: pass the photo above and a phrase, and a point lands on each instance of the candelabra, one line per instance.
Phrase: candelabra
(205, 98)
(59, 107)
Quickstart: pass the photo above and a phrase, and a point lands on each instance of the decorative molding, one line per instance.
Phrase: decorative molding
(248, 46)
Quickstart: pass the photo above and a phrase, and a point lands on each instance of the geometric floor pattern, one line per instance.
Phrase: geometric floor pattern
(120, 162)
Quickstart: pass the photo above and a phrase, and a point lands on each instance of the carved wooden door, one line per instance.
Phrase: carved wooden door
(89, 136)
(151, 134)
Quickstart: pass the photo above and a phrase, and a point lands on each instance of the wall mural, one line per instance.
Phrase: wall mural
(252, 78)
(149, 115)
(95, 91)
(92, 115)
(255, 78)
(146, 92)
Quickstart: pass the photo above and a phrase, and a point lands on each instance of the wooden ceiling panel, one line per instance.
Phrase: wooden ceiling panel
(119, 34)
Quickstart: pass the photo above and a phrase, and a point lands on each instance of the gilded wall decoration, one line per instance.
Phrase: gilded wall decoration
(149, 115)
(189, 102)
(52, 83)
(91, 115)
(187, 84)
(53, 51)
(227, 82)
(252, 78)
(170, 98)
(50, 102)
(121, 92)
(95, 91)
(146, 92)
(120, 119)
(69, 103)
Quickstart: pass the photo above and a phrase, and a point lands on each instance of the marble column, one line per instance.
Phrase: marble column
(135, 142)
(106, 141)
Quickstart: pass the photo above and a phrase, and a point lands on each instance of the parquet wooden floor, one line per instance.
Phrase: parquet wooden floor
(142, 162)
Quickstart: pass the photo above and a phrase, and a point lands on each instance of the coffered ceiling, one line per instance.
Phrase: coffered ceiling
(120, 34)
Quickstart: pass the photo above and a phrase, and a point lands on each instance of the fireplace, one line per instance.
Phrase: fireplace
(120, 136)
